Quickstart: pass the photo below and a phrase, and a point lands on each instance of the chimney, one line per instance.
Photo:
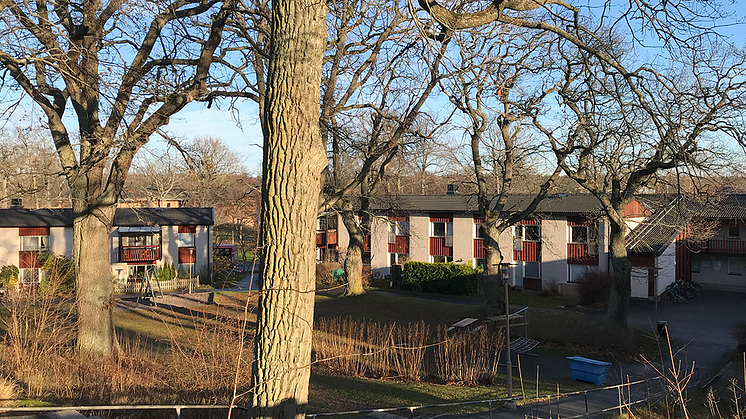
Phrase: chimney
(452, 188)
(16, 202)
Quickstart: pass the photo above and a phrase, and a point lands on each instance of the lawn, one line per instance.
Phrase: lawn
(187, 355)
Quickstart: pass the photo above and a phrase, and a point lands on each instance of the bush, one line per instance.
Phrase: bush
(166, 272)
(325, 273)
(739, 334)
(595, 287)
(444, 278)
(58, 276)
(9, 275)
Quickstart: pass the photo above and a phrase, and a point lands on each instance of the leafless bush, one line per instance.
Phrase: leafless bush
(409, 344)
(325, 273)
(595, 287)
(362, 348)
(467, 357)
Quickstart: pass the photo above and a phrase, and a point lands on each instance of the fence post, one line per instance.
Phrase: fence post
(619, 392)
(549, 406)
(585, 396)
(490, 404)
(178, 413)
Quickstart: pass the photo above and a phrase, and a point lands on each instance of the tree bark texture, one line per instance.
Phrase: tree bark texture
(96, 336)
(354, 258)
(494, 295)
(621, 276)
(294, 158)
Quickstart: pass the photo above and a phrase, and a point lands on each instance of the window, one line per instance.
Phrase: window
(441, 259)
(34, 243)
(579, 235)
(577, 272)
(734, 266)
(734, 230)
(398, 228)
(528, 233)
(479, 231)
(139, 240)
(445, 230)
(479, 262)
(366, 257)
(30, 276)
(531, 270)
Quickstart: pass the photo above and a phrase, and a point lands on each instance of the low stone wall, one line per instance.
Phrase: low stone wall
(174, 284)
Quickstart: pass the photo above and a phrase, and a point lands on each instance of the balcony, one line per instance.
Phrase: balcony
(730, 246)
(139, 253)
(577, 254)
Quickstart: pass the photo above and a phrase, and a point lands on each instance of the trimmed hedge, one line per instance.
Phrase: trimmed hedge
(443, 278)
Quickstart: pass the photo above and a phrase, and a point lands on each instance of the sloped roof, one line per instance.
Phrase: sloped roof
(23, 217)
(556, 203)
(657, 231)
(163, 216)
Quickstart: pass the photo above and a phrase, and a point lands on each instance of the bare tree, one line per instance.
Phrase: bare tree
(29, 170)
(123, 69)
(391, 77)
(489, 94)
(622, 131)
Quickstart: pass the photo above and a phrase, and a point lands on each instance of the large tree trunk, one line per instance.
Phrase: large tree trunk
(621, 275)
(354, 257)
(91, 229)
(294, 158)
(494, 294)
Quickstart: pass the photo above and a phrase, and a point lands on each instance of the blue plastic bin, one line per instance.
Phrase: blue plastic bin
(590, 370)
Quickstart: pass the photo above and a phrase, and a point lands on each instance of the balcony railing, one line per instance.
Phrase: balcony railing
(139, 253)
(731, 246)
(577, 254)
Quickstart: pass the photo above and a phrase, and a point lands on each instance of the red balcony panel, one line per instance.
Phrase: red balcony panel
(331, 237)
(531, 221)
(366, 244)
(187, 255)
(397, 218)
(531, 252)
(139, 253)
(478, 219)
(320, 239)
(479, 248)
(727, 246)
(438, 248)
(577, 254)
(29, 259)
(401, 245)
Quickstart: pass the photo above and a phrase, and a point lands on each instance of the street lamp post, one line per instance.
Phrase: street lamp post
(510, 404)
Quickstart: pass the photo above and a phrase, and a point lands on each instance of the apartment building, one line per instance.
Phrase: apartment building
(141, 239)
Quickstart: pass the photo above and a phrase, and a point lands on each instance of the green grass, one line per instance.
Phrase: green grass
(390, 307)
(228, 279)
(331, 393)
(533, 298)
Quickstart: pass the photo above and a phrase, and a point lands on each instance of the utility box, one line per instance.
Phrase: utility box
(590, 370)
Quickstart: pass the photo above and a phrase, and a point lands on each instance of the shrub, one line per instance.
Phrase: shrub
(9, 275)
(58, 275)
(739, 334)
(595, 287)
(445, 278)
(166, 272)
(325, 273)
